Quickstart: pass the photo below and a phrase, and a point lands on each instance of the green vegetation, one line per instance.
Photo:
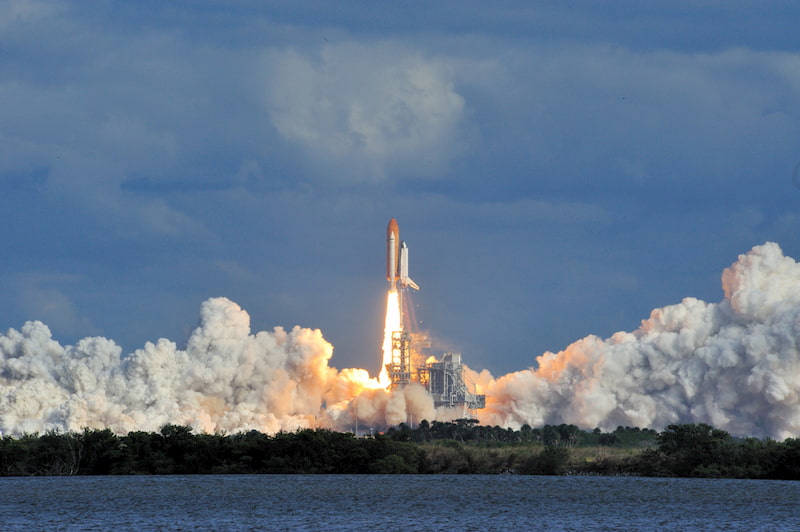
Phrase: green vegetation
(175, 450)
(693, 450)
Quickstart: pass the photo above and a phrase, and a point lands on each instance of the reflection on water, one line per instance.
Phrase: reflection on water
(409, 502)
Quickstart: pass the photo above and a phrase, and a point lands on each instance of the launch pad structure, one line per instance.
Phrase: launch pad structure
(445, 382)
(444, 379)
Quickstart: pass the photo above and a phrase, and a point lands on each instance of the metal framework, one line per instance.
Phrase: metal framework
(445, 382)
(399, 369)
(443, 379)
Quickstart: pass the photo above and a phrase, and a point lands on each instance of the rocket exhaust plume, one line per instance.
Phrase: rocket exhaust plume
(393, 323)
(226, 379)
(733, 364)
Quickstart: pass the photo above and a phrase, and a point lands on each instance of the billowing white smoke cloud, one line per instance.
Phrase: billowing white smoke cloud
(734, 364)
(225, 380)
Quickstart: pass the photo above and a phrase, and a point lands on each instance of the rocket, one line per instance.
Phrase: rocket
(397, 259)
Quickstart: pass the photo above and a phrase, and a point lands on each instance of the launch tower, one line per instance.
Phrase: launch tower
(445, 382)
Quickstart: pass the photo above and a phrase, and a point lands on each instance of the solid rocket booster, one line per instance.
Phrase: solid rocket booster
(397, 259)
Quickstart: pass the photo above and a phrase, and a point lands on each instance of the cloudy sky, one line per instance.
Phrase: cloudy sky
(558, 169)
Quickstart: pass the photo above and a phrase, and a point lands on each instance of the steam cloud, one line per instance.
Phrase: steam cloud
(225, 380)
(732, 364)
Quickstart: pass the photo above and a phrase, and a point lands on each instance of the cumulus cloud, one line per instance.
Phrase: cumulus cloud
(378, 110)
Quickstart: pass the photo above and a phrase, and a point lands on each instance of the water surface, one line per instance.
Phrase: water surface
(395, 502)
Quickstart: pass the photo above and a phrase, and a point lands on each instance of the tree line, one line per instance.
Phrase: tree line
(690, 450)
(563, 435)
(176, 450)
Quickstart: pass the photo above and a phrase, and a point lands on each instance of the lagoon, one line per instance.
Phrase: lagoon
(395, 502)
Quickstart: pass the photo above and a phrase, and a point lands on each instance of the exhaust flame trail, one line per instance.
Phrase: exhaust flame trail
(392, 324)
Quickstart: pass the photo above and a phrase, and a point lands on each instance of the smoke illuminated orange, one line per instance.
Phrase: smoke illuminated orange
(392, 324)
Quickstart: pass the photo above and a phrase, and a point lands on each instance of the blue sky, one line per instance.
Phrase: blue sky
(558, 169)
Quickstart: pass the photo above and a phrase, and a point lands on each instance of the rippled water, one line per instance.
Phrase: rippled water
(407, 502)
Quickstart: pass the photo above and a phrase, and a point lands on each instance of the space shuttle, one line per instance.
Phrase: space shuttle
(397, 259)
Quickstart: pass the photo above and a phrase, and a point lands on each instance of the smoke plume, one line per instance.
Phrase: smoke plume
(732, 364)
(226, 379)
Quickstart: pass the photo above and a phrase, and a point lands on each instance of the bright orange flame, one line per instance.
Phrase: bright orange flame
(392, 324)
(352, 382)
